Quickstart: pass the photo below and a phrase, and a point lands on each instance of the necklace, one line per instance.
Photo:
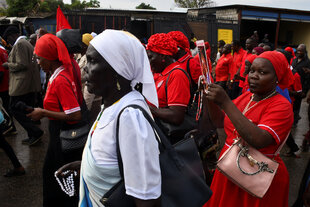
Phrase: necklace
(248, 107)
(96, 123)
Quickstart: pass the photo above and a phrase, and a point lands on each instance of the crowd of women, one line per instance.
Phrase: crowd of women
(250, 98)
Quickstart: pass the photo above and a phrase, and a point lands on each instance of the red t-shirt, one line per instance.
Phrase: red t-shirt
(193, 66)
(245, 56)
(296, 86)
(178, 87)
(4, 84)
(222, 67)
(59, 91)
(236, 63)
(77, 78)
(275, 115)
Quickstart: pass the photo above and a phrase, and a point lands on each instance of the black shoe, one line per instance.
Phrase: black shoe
(26, 141)
(33, 140)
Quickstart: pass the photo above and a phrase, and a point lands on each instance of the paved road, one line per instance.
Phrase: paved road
(27, 190)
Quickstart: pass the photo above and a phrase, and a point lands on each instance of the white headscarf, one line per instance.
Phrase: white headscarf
(127, 56)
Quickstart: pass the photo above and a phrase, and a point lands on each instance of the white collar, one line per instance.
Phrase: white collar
(56, 73)
(111, 113)
(19, 38)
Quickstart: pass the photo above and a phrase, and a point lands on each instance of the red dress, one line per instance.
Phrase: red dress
(274, 115)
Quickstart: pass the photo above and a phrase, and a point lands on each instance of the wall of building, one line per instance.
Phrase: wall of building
(294, 33)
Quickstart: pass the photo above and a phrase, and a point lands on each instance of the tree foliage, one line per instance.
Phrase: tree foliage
(145, 6)
(27, 7)
(20, 7)
(193, 3)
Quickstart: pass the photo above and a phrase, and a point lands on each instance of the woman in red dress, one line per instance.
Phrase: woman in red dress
(264, 126)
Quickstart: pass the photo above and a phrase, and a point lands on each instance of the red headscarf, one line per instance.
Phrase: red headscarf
(51, 47)
(163, 44)
(280, 66)
(180, 39)
(208, 49)
(259, 50)
(251, 58)
(291, 51)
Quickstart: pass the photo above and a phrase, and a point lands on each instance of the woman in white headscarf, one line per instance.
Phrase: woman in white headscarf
(116, 62)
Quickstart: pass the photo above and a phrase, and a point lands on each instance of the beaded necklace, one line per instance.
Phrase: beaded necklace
(247, 108)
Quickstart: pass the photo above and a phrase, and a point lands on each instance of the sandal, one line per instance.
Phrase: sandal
(15, 172)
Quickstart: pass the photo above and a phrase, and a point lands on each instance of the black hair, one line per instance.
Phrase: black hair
(236, 43)
(11, 30)
(287, 55)
(221, 43)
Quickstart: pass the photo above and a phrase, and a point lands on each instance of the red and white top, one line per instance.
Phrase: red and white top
(59, 91)
(296, 86)
(4, 84)
(222, 67)
(178, 87)
(236, 63)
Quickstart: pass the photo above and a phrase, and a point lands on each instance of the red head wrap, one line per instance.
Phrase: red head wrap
(259, 50)
(163, 44)
(251, 58)
(208, 49)
(281, 67)
(51, 47)
(291, 51)
(180, 39)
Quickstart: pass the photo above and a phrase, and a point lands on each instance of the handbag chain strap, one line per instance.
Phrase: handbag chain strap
(262, 166)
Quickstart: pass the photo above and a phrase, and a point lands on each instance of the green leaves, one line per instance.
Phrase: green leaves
(145, 6)
(193, 3)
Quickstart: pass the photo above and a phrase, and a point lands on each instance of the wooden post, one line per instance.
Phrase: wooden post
(80, 19)
(277, 33)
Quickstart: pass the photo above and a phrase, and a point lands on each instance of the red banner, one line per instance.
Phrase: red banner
(61, 21)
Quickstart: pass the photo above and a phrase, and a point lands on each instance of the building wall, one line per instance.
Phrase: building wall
(294, 33)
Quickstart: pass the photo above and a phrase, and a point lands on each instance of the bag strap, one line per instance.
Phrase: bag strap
(189, 71)
(282, 144)
(161, 138)
(188, 77)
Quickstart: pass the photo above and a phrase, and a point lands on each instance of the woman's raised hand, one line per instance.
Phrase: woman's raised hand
(216, 94)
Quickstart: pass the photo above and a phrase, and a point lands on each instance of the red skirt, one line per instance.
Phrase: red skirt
(227, 194)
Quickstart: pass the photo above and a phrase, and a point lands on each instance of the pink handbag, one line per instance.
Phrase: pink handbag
(248, 168)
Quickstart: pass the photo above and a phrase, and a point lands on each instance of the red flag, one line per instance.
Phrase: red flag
(61, 21)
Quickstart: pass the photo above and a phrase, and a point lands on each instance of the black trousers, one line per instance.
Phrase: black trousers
(9, 151)
(23, 120)
(290, 142)
(54, 159)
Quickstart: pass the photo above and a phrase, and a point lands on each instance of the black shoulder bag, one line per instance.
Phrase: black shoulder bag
(74, 136)
(176, 133)
(183, 183)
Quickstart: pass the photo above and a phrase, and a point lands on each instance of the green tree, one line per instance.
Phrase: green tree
(50, 5)
(145, 6)
(193, 3)
(20, 7)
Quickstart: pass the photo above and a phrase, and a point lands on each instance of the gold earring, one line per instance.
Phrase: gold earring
(118, 86)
